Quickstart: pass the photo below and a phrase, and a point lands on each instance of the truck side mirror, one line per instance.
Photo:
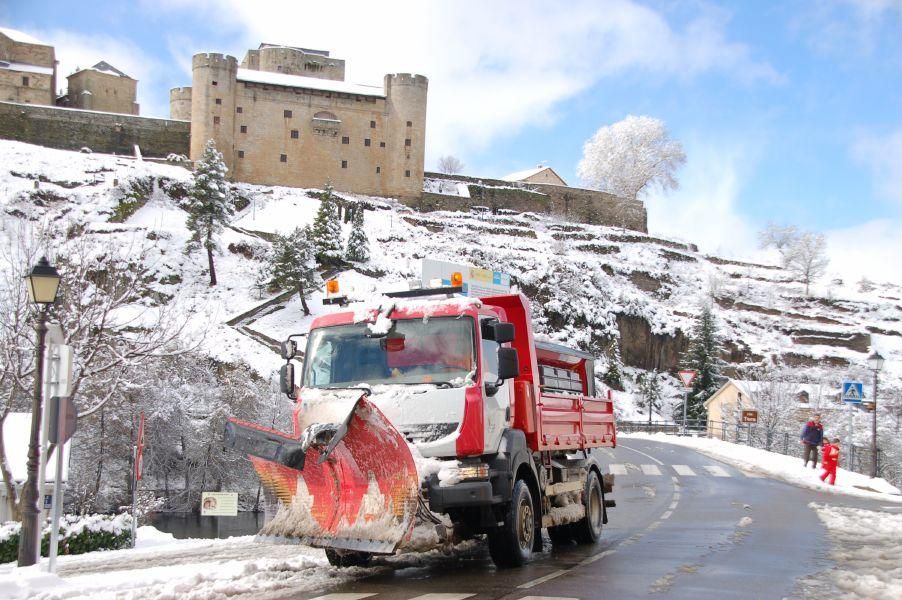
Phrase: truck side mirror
(289, 349)
(286, 380)
(508, 363)
(498, 332)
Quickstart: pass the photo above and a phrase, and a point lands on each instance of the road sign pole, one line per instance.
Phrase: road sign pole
(685, 406)
(57, 509)
(134, 495)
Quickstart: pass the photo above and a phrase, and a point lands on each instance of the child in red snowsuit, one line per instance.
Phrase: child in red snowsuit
(830, 460)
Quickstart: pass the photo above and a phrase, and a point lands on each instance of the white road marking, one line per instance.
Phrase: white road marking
(673, 504)
(650, 469)
(667, 514)
(617, 469)
(443, 597)
(343, 597)
(536, 582)
(654, 525)
(593, 558)
(716, 471)
(684, 470)
(753, 475)
(642, 453)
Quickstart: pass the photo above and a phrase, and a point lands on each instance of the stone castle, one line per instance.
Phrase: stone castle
(286, 116)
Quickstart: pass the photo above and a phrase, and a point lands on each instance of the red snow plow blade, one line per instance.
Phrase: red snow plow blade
(349, 484)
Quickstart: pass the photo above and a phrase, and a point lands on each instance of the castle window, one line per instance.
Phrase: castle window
(214, 82)
(382, 144)
(372, 124)
(283, 158)
(25, 82)
(407, 142)
(345, 140)
(287, 114)
(344, 164)
(366, 142)
(219, 101)
(378, 170)
(241, 154)
(239, 110)
(216, 120)
(244, 129)
(295, 134)
(410, 123)
(407, 173)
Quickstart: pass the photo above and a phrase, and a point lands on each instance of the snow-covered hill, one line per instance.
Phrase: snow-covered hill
(590, 284)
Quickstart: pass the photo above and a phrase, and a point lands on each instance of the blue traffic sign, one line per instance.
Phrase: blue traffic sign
(852, 392)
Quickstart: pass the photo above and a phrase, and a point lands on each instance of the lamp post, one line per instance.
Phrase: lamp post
(875, 362)
(42, 283)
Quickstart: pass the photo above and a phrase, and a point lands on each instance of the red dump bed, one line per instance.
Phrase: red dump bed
(555, 402)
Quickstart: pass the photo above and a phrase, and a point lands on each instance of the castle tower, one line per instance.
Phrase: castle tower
(180, 103)
(405, 97)
(214, 84)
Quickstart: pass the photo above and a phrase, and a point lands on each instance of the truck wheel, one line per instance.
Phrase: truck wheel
(588, 529)
(347, 558)
(511, 544)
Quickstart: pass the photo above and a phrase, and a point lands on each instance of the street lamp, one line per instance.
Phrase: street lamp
(42, 283)
(875, 362)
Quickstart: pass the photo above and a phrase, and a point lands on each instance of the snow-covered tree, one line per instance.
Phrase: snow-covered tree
(772, 393)
(802, 253)
(703, 357)
(450, 165)
(358, 249)
(630, 157)
(651, 398)
(613, 375)
(326, 232)
(209, 207)
(293, 264)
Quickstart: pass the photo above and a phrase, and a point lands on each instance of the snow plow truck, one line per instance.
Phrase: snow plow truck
(438, 410)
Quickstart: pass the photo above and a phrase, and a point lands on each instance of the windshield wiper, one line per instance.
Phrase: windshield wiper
(365, 389)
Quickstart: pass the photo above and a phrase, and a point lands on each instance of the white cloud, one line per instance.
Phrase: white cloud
(870, 249)
(882, 155)
(76, 50)
(494, 67)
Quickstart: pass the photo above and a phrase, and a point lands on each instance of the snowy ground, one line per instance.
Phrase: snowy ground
(779, 466)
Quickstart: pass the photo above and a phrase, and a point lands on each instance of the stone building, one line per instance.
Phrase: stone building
(27, 69)
(286, 116)
(102, 87)
(540, 174)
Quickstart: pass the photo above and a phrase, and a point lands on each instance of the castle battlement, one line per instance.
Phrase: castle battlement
(407, 79)
(214, 59)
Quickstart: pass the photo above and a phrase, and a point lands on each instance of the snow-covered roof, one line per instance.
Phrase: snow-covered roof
(310, 83)
(524, 175)
(26, 68)
(20, 36)
(305, 50)
(106, 67)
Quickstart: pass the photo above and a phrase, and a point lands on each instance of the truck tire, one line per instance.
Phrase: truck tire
(510, 545)
(347, 558)
(588, 529)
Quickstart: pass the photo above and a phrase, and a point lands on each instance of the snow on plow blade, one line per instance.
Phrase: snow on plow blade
(348, 483)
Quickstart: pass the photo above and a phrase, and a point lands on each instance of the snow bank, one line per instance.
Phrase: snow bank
(787, 468)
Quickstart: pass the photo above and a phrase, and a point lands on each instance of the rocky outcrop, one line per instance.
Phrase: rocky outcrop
(639, 347)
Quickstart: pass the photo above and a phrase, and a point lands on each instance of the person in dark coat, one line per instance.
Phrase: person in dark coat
(812, 437)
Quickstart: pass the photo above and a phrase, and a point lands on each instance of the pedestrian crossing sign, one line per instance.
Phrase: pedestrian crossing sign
(852, 392)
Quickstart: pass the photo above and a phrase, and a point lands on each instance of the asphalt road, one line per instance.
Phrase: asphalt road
(685, 526)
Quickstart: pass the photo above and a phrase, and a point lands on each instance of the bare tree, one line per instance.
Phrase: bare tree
(630, 157)
(450, 165)
(772, 392)
(803, 253)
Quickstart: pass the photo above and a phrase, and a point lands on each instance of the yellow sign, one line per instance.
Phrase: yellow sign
(219, 504)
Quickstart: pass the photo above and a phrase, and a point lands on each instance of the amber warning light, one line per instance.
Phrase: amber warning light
(332, 286)
(457, 278)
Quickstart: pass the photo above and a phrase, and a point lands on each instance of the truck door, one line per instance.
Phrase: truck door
(497, 399)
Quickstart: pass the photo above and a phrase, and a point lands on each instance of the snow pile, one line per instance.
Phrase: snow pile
(787, 468)
(867, 547)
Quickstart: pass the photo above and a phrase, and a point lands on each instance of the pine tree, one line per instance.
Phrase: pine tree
(358, 246)
(651, 399)
(327, 230)
(209, 208)
(613, 376)
(703, 357)
(293, 264)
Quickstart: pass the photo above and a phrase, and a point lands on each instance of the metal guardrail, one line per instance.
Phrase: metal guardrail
(852, 457)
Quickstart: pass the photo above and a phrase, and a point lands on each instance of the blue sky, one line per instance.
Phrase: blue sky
(789, 111)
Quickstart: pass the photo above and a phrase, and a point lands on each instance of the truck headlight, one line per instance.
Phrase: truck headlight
(468, 472)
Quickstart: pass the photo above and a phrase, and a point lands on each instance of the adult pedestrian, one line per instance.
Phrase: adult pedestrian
(830, 461)
(812, 437)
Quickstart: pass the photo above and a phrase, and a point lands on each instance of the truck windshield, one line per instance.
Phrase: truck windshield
(438, 350)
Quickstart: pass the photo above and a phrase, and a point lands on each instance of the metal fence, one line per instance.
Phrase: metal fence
(852, 457)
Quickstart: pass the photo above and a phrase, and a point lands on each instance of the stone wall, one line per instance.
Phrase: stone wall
(72, 129)
(573, 204)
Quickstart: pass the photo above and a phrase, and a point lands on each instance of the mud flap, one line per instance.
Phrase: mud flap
(356, 487)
